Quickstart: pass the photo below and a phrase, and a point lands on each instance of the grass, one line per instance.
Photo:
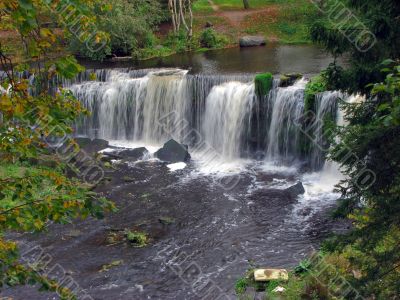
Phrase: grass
(289, 25)
(284, 21)
(202, 6)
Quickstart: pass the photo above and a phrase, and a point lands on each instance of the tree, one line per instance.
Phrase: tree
(246, 4)
(368, 147)
(33, 112)
(180, 10)
(129, 23)
(367, 32)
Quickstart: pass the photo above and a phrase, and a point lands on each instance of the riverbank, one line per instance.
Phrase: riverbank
(217, 24)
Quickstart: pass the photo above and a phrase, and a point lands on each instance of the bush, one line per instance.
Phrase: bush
(130, 25)
(209, 38)
(316, 85)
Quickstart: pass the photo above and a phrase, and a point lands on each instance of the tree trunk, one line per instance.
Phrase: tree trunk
(246, 4)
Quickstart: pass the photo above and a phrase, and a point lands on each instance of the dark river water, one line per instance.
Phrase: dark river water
(214, 235)
(272, 58)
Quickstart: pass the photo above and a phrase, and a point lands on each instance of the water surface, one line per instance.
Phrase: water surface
(274, 58)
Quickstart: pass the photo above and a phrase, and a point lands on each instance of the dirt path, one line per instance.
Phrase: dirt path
(236, 17)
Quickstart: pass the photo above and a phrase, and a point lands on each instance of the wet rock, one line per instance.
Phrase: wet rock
(106, 157)
(166, 220)
(173, 152)
(296, 189)
(91, 146)
(289, 79)
(74, 233)
(133, 154)
(251, 41)
(304, 212)
(279, 290)
(128, 179)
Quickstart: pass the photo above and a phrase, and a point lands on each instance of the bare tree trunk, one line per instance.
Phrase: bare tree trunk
(246, 4)
(190, 33)
(171, 10)
(179, 10)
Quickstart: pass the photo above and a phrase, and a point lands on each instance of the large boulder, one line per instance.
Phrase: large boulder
(173, 152)
(252, 41)
(289, 79)
(126, 154)
(133, 154)
(296, 189)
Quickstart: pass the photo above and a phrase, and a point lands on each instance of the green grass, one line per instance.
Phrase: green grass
(291, 24)
(202, 6)
(238, 4)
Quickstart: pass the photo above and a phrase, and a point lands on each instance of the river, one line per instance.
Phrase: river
(227, 213)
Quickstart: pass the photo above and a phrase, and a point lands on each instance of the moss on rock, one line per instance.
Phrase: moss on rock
(316, 85)
(263, 83)
(289, 79)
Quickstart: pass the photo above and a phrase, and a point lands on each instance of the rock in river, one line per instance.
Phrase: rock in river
(173, 152)
(296, 189)
(251, 41)
(133, 154)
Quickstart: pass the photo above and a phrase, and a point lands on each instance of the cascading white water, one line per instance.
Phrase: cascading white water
(148, 109)
(325, 180)
(151, 106)
(227, 117)
(283, 133)
(326, 106)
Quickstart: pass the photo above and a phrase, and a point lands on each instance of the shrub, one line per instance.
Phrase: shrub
(129, 23)
(139, 239)
(316, 85)
(209, 38)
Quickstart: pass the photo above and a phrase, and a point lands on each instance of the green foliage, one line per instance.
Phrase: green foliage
(130, 24)
(180, 42)
(368, 256)
(33, 196)
(314, 86)
(209, 39)
(113, 264)
(241, 286)
(302, 267)
(375, 20)
(138, 239)
(263, 83)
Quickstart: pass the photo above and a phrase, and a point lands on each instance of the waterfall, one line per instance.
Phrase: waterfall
(144, 109)
(227, 117)
(326, 107)
(153, 105)
(287, 106)
(148, 106)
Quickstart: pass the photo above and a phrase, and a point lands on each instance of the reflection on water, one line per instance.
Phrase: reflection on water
(306, 59)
